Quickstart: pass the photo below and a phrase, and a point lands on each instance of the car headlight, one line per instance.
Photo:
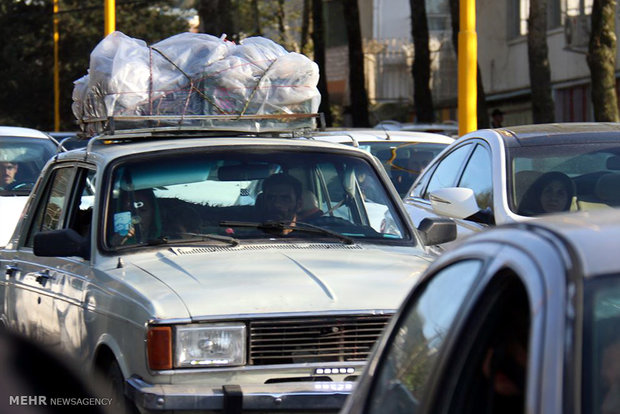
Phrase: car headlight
(212, 345)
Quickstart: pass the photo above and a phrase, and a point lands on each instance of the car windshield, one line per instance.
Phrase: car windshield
(243, 194)
(601, 351)
(554, 178)
(403, 161)
(21, 162)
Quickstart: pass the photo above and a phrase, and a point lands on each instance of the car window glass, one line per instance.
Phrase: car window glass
(404, 372)
(25, 156)
(446, 172)
(48, 215)
(477, 175)
(601, 352)
(488, 367)
(420, 185)
(83, 211)
(171, 197)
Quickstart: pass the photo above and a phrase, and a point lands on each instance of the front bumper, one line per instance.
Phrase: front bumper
(283, 397)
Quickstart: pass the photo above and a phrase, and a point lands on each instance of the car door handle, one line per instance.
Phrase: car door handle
(42, 277)
(11, 270)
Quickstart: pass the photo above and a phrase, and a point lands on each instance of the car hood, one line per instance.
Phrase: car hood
(11, 208)
(263, 279)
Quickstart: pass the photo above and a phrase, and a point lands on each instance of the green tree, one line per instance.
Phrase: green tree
(602, 61)
(27, 98)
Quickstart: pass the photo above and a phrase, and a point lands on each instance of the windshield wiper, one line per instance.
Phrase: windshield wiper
(282, 225)
(217, 237)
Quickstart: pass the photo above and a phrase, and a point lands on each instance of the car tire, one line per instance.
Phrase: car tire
(116, 383)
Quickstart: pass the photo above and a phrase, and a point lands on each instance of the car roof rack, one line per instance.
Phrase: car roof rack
(116, 129)
(239, 123)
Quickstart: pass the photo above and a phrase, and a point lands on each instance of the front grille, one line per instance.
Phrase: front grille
(320, 339)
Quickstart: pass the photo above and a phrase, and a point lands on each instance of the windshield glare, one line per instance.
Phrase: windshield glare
(556, 178)
(21, 162)
(180, 197)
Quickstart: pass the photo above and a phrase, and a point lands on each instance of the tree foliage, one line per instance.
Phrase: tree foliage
(27, 60)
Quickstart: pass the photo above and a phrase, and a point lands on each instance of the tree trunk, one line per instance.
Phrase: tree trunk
(602, 61)
(318, 38)
(256, 17)
(481, 105)
(305, 25)
(421, 69)
(281, 19)
(543, 109)
(216, 18)
(357, 87)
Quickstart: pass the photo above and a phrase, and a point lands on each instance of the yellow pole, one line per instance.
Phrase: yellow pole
(109, 11)
(56, 71)
(467, 68)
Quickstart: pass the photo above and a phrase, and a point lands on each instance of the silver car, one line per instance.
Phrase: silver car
(23, 153)
(514, 174)
(201, 270)
(522, 318)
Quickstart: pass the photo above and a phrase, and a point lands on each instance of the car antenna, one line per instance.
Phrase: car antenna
(387, 134)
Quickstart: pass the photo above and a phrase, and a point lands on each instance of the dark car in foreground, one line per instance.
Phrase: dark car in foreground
(522, 318)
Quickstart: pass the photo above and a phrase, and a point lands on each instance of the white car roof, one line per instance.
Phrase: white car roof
(22, 132)
(377, 135)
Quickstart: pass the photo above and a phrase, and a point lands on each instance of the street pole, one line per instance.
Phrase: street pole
(467, 68)
(56, 71)
(109, 10)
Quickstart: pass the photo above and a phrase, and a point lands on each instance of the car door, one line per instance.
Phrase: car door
(399, 380)
(29, 295)
(57, 282)
(468, 166)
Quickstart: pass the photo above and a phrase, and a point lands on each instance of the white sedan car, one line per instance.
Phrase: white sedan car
(23, 153)
(403, 154)
(496, 176)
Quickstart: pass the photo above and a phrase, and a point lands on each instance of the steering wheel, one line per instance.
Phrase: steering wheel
(23, 186)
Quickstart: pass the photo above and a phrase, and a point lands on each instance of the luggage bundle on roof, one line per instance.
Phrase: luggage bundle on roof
(193, 74)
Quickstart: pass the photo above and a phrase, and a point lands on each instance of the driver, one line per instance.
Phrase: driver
(8, 171)
(281, 198)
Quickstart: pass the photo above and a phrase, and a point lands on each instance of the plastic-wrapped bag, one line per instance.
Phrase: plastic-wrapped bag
(194, 74)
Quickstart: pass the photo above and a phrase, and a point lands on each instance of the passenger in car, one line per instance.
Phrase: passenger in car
(610, 375)
(552, 192)
(8, 170)
(144, 223)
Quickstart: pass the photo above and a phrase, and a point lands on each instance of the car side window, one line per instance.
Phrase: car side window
(487, 369)
(403, 374)
(446, 172)
(477, 175)
(82, 213)
(50, 210)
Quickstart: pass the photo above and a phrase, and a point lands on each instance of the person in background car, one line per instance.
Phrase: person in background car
(552, 192)
(8, 171)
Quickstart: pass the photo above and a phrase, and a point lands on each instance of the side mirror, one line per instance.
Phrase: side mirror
(437, 231)
(455, 202)
(61, 243)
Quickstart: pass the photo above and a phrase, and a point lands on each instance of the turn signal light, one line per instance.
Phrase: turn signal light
(159, 347)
